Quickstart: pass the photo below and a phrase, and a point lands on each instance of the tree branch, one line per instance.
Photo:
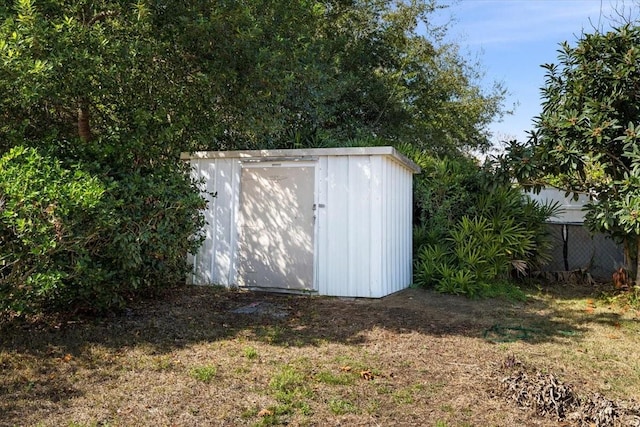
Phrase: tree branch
(101, 17)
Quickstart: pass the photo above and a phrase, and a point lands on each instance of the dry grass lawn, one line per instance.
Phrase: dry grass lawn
(413, 358)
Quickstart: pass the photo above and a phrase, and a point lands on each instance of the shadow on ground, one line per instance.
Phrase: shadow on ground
(39, 360)
(205, 314)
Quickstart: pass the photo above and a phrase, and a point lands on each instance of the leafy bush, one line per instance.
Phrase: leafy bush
(83, 237)
(444, 192)
(158, 223)
(478, 253)
(49, 227)
(472, 230)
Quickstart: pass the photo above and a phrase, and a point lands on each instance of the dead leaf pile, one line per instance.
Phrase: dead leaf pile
(598, 411)
(548, 396)
(544, 393)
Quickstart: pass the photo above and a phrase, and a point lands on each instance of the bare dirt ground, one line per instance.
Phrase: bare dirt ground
(206, 356)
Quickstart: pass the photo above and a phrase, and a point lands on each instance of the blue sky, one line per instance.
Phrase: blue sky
(512, 38)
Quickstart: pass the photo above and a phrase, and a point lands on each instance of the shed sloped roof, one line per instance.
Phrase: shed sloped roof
(306, 152)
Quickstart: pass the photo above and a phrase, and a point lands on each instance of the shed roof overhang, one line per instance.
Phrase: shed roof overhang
(305, 153)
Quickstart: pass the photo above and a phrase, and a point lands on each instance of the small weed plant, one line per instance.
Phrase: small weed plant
(342, 407)
(330, 378)
(204, 373)
(250, 353)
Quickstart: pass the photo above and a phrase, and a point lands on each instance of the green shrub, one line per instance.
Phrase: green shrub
(430, 260)
(50, 221)
(472, 229)
(203, 373)
(90, 235)
(158, 223)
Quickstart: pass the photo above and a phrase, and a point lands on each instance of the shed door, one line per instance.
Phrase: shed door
(276, 226)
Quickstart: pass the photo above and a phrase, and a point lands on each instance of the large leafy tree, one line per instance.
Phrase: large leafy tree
(208, 74)
(98, 70)
(586, 138)
(97, 208)
(314, 72)
(116, 89)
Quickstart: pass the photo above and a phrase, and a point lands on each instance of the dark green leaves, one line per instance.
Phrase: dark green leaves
(586, 139)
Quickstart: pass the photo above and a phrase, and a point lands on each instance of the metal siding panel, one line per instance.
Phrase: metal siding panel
(353, 237)
(397, 231)
(384, 262)
(225, 221)
(392, 201)
(329, 264)
(337, 219)
(359, 225)
(234, 212)
(203, 264)
(213, 261)
(375, 227)
(322, 241)
(321, 253)
(397, 276)
(365, 261)
(395, 203)
(221, 226)
(406, 249)
(393, 235)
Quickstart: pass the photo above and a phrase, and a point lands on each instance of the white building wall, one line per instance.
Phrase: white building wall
(397, 227)
(344, 231)
(571, 210)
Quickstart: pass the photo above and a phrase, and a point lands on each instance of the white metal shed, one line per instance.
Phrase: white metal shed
(330, 221)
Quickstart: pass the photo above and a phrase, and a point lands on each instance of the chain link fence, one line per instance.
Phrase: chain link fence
(576, 249)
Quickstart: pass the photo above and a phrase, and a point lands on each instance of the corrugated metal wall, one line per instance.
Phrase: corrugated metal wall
(363, 231)
(215, 262)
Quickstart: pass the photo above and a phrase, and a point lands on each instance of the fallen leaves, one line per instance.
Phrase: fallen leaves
(265, 413)
(367, 375)
(591, 306)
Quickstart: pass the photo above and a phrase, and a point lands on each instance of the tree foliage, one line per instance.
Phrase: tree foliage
(95, 205)
(301, 73)
(116, 89)
(586, 138)
(215, 75)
